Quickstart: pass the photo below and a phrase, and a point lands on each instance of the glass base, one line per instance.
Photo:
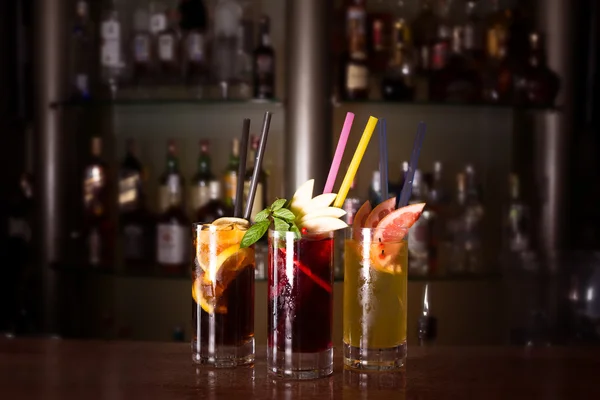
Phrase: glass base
(299, 365)
(389, 359)
(223, 356)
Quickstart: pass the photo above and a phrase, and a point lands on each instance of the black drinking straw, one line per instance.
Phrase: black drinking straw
(258, 163)
(239, 190)
(402, 200)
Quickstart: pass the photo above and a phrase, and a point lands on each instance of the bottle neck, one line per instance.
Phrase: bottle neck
(204, 163)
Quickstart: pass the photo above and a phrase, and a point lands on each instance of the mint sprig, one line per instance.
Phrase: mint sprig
(281, 218)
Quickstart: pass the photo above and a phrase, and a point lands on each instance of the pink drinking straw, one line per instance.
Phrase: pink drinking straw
(339, 152)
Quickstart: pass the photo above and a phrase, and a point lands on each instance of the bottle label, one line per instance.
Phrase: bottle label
(94, 247)
(360, 16)
(111, 53)
(195, 47)
(199, 196)
(169, 194)
(110, 30)
(230, 185)
(133, 242)
(357, 77)
(141, 48)
(172, 244)
(440, 55)
(257, 206)
(128, 189)
(166, 47)
(158, 23)
(92, 185)
(264, 64)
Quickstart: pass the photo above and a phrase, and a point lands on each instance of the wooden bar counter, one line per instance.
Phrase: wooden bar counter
(64, 369)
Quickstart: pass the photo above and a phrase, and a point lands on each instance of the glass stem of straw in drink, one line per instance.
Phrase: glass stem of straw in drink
(300, 305)
(375, 286)
(223, 294)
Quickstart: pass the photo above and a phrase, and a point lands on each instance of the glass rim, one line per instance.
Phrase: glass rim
(302, 235)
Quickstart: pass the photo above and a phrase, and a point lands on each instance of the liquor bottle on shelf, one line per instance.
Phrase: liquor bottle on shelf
(112, 61)
(517, 238)
(498, 75)
(141, 46)
(193, 24)
(356, 18)
(535, 83)
(216, 207)
(425, 29)
(230, 177)
(375, 189)
(473, 223)
(354, 71)
(437, 204)
(264, 63)
(398, 82)
(260, 199)
(352, 203)
(422, 258)
(169, 51)
(453, 232)
(157, 24)
(497, 26)
(440, 50)
(474, 36)
(427, 323)
(136, 222)
(200, 187)
(227, 18)
(244, 63)
(98, 229)
(81, 58)
(173, 239)
(397, 188)
(457, 81)
(171, 181)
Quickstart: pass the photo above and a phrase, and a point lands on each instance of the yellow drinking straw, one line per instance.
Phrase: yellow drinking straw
(356, 159)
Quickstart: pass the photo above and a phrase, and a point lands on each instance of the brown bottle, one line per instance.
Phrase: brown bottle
(216, 207)
(354, 71)
(98, 228)
(498, 75)
(535, 84)
(168, 52)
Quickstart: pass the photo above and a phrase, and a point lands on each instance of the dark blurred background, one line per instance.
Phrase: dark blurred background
(117, 116)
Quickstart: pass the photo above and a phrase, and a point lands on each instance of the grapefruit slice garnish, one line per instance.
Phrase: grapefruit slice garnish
(393, 227)
(384, 257)
(360, 219)
(380, 212)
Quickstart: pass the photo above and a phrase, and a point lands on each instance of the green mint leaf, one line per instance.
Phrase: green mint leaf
(254, 233)
(280, 225)
(277, 204)
(294, 228)
(284, 214)
(262, 216)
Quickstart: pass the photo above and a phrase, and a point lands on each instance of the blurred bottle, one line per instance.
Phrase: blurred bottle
(421, 256)
(352, 203)
(98, 229)
(81, 53)
(216, 207)
(425, 30)
(536, 84)
(397, 188)
(171, 181)
(264, 63)
(356, 18)
(200, 187)
(230, 177)
(457, 81)
(427, 323)
(260, 199)
(375, 189)
(354, 71)
(193, 24)
(141, 46)
(440, 50)
(517, 220)
(112, 61)
(136, 223)
(474, 36)
(437, 205)
(173, 237)
(498, 75)
(227, 18)
(169, 58)
(398, 82)
(497, 27)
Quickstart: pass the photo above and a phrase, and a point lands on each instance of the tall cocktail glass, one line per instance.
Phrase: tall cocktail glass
(300, 305)
(375, 286)
(222, 296)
